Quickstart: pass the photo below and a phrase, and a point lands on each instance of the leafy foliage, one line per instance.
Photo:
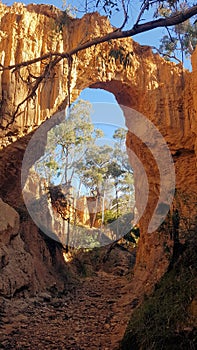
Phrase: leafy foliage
(104, 166)
(94, 166)
(110, 216)
(181, 39)
(67, 143)
(74, 159)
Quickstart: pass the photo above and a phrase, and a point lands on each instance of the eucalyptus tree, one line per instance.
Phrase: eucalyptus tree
(121, 169)
(106, 173)
(67, 144)
(93, 173)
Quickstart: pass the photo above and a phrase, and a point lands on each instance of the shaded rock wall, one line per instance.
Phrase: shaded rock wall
(162, 91)
(26, 261)
(193, 85)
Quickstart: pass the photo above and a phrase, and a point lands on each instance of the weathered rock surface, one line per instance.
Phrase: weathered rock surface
(164, 92)
(23, 266)
(9, 223)
(15, 261)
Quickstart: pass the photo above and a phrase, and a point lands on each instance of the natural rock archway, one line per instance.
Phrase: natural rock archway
(163, 92)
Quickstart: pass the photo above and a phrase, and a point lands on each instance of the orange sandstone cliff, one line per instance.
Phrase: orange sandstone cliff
(163, 92)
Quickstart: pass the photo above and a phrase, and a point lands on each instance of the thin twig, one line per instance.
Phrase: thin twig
(125, 10)
(70, 61)
(176, 18)
(56, 57)
(165, 54)
(143, 8)
(32, 93)
(171, 38)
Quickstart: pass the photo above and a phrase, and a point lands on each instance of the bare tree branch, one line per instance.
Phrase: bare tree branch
(145, 27)
(145, 5)
(34, 60)
(55, 57)
(176, 18)
(170, 36)
(33, 89)
(166, 55)
(125, 10)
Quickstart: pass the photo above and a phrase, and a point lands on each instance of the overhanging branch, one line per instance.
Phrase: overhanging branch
(176, 18)
(55, 57)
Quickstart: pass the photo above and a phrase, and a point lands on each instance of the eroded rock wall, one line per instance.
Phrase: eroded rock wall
(163, 92)
(193, 85)
(27, 263)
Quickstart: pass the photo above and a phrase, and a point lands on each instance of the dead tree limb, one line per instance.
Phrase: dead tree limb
(56, 57)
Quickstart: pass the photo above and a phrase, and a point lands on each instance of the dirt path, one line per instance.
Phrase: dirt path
(93, 316)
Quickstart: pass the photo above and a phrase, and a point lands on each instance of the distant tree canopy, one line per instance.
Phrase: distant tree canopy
(67, 144)
(74, 158)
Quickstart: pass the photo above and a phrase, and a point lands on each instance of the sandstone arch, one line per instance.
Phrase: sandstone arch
(162, 91)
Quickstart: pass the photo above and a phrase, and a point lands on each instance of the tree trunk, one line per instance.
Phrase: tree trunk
(68, 235)
(103, 209)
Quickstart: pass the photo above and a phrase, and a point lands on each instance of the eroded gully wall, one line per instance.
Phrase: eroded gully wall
(162, 91)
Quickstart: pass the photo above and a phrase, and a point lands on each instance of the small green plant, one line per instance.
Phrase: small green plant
(63, 21)
(109, 217)
(68, 13)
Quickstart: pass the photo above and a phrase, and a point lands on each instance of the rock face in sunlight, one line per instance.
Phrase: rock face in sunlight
(163, 92)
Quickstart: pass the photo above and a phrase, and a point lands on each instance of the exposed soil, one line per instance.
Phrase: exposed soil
(92, 315)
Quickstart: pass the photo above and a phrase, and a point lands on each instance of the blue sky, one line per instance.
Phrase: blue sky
(151, 38)
(106, 99)
(106, 113)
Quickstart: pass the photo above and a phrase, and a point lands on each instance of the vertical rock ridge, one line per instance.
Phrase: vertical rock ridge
(163, 92)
